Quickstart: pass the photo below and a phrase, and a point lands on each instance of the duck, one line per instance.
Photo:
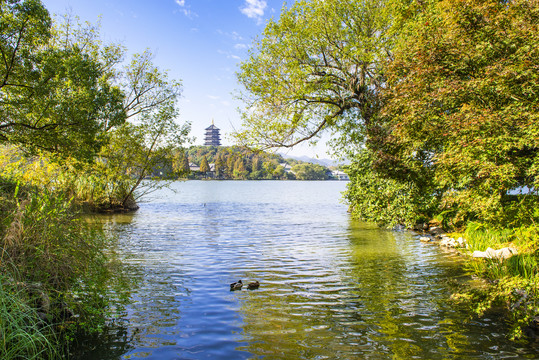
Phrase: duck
(253, 285)
(236, 285)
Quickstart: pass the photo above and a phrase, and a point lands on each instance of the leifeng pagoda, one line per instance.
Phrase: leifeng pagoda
(212, 137)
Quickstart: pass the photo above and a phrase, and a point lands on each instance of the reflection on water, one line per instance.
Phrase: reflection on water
(330, 288)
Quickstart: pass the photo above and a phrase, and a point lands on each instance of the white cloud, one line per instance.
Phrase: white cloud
(232, 35)
(185, 9)
(213, 97)
(254, 9)
(241, 46)
(229, 55)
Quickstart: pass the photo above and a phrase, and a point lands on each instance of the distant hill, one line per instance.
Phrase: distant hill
(323, 162)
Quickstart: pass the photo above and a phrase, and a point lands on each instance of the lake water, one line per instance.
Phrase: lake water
(330, 287)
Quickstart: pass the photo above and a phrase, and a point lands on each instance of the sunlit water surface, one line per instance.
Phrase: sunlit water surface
(331, 288)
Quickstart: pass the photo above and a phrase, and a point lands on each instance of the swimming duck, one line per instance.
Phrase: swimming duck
(253, 285)
(236, 285)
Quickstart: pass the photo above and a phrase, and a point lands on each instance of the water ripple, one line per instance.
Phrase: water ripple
(330, 288)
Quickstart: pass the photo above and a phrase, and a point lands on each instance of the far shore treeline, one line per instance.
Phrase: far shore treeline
(237, 163)
(433, 104)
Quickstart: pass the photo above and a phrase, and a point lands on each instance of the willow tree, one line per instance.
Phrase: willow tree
(317, 68)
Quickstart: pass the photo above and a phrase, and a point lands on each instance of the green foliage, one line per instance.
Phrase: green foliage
(441, 95)
(63, 91)
(239, 163)
(512, 283)
(463, 90)
(242, 163)
(113, 178)
(57, 93)
(65, 100)
(132, 154)
(481, 236)
(23, 334)
(239, 169)
(180, 163)
(44, 246)
(383, 200)
(515, 294)
(308, 171)
(204, 166)
(316, 68)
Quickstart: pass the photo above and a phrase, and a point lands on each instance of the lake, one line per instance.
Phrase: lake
(330, 287)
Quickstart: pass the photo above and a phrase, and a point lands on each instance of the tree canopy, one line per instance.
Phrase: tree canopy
(463, 102)
(65, 92)
(316, 68)
(56, 91)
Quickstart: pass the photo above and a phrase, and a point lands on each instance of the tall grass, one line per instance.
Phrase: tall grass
(481, 236)
(524, 239)
(513, 282)
(23, 335)
(44, 244)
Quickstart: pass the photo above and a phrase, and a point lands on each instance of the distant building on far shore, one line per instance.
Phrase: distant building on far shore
(339, 175)
(212, 137)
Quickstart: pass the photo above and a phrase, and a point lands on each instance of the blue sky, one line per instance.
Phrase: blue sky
(200, 42)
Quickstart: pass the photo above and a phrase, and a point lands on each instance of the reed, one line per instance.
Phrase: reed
(23, 335)
(45, 244)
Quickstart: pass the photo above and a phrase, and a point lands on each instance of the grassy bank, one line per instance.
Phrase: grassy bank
(510, 284)
(56, 274)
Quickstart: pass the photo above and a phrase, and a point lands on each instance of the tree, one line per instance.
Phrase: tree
(230, 165)
(56, 93)
(307, 171)
(269, 168)
(279, 172)
(220, 166)
(317, 68)
(463, 105)
(320, 67)
(185, 169)
(180, 162)
(239, 169)
(204, 166)
(146, 86)
(256, 164)
(132, 152)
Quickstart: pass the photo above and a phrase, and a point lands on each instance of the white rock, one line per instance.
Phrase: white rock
(490, 253)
